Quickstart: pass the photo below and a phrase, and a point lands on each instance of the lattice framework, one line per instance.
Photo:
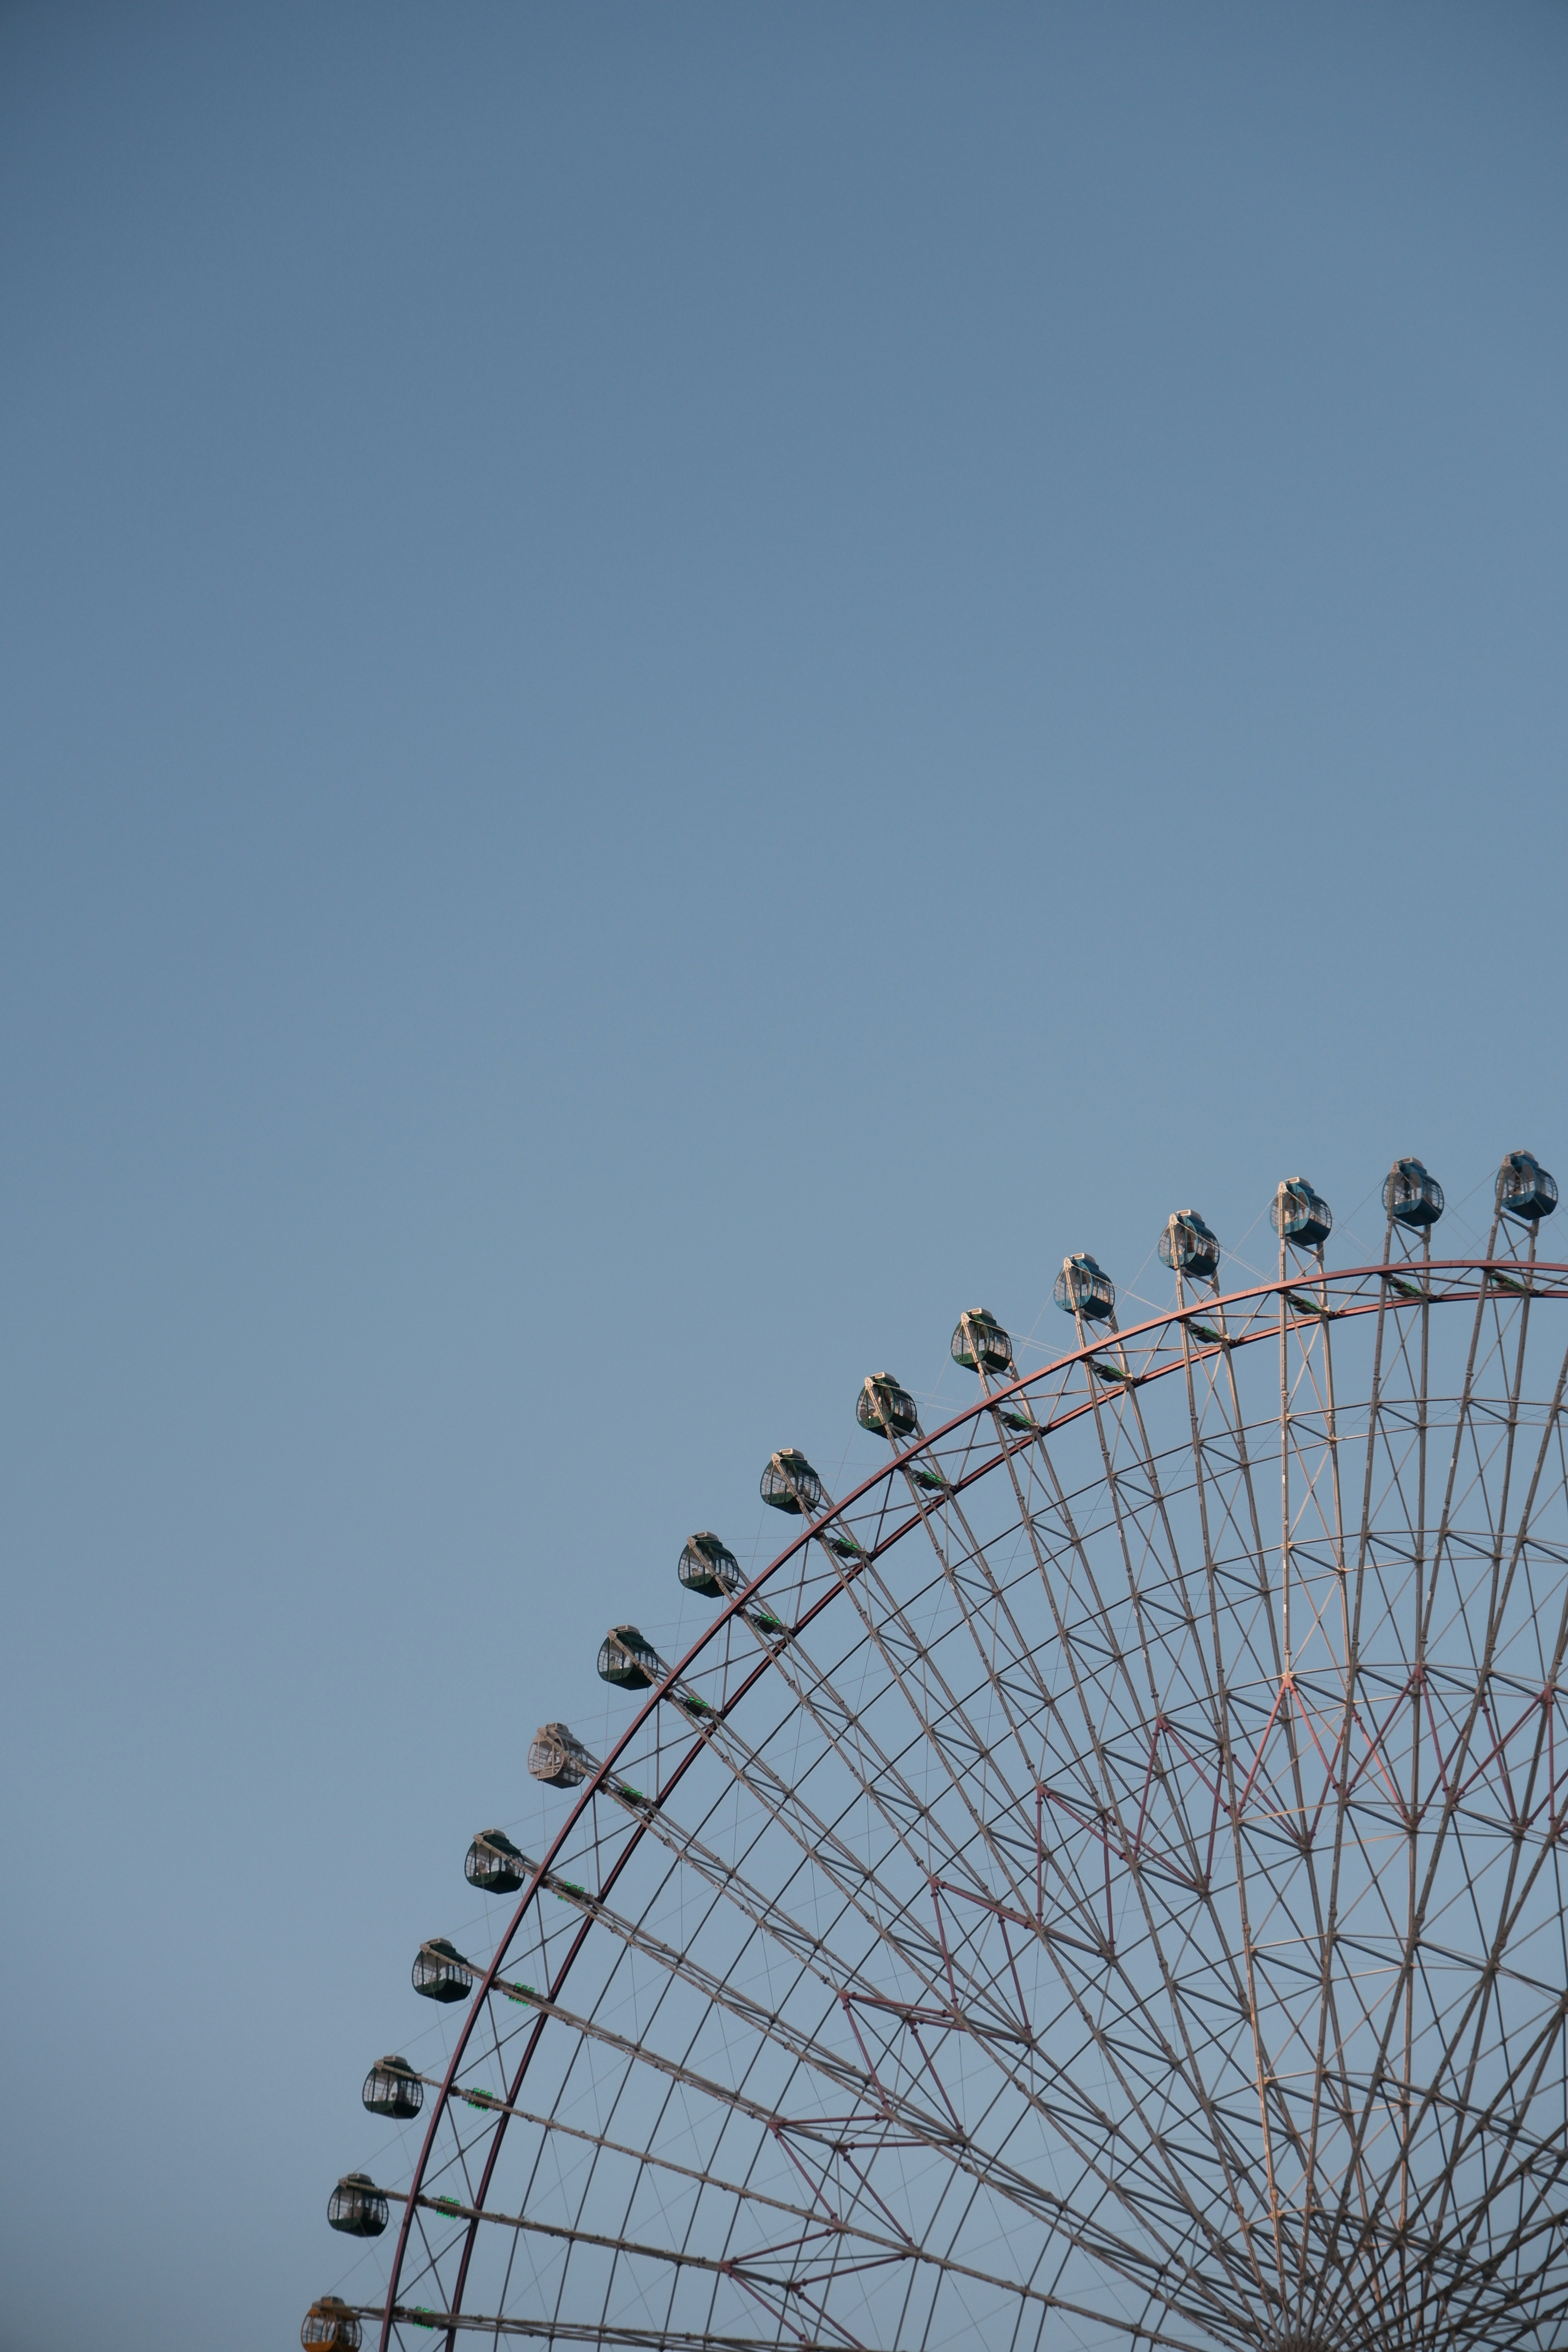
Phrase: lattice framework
(1103, 1876)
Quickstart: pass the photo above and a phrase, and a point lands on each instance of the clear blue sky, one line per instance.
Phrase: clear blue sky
(682, 687)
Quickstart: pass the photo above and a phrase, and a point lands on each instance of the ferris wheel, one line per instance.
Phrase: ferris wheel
(1101, 1884)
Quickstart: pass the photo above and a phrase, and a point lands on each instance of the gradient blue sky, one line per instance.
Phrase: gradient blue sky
(682, 687)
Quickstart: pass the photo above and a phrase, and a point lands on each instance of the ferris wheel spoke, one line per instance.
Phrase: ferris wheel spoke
(929, 1955)
(1309, 1587)
(969, 1558)
(892, 1922)
(1181, 2065)
(565, 2331)
(1543, 2177)
(1472, 2025)
(744, 2193)
(811, 1948)
(748, 2269)
(960, 1768)
(871, 2111)
(1178, 2063)
(1512, 1894)
(1153, 1777)
(1504, 1315)
(630, 2338)
(937, 1983)
(1469, 2022)
(845, 1979)
(1183, 2061)
(819, 2221)
(1097, 2151)
(1193, 1615)
(1334, 2085)
(1534, 2221)
(1132, 1511)
(762, 2019)
(1187, 1659)
(907, 1814)
(1096, 2122)
(1090, 1751)
(910, 1663)
(880, 2116)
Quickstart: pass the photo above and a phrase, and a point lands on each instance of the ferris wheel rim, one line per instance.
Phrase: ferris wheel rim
(1547, 1282)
